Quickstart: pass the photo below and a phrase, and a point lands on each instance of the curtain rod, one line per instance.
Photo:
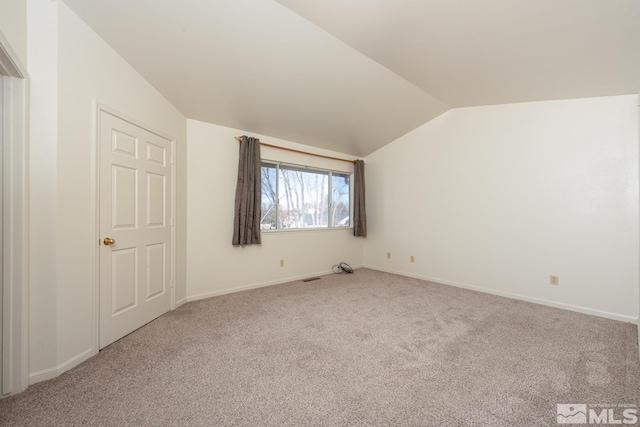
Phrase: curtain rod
(239, 138)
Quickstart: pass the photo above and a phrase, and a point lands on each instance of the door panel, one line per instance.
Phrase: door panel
(156, 203)
(124, 203)
(156, 265)
(156, 154)
(125, 144)
(124, 265)
(135, 208)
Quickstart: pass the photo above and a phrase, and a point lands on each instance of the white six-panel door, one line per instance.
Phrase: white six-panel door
(135, 227)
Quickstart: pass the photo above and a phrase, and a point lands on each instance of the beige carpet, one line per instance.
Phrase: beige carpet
(364, 349)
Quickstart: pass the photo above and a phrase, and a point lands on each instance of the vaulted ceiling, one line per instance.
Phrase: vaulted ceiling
(353, 75)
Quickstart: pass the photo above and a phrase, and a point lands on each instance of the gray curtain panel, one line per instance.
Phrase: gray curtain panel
(359, 208)
(246, 224)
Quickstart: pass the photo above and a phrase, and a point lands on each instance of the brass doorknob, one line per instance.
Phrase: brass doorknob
(109, 241)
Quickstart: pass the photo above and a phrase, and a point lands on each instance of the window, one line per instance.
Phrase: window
(295, 197)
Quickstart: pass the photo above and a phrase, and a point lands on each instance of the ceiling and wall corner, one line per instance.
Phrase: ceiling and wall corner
(494, 51)
(354, 76)
(258, 66)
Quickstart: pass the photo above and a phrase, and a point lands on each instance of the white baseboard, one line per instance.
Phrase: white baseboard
(259, 285)
(555, 304)
(181, 301)
(47, 374)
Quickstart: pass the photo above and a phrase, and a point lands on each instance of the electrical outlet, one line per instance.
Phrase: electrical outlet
(388, 255)
(281, 263)
(553, 280)
(413, 259)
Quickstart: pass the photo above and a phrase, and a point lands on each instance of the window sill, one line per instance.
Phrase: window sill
(304, 230)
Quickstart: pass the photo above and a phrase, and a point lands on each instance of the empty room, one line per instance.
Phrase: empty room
(303, 213)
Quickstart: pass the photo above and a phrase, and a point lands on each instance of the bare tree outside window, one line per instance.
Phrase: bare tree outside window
(340, 208)
(296, 197)
(269, 197)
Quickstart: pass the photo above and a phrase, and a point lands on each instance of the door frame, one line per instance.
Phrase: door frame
(15, 239)
(100, 108)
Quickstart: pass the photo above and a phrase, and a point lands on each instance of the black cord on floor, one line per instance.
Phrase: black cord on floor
(342, 268)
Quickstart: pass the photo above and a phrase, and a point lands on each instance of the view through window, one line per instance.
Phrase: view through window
(295, 197)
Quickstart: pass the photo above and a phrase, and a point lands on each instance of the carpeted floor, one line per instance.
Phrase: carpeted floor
(364, 349)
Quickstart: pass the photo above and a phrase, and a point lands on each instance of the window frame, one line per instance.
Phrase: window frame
(311, 169)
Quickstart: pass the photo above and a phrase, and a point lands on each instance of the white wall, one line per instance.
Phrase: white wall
(13, 25)
(214, 266)
(501, 197)
(42, 68)
(88, 70)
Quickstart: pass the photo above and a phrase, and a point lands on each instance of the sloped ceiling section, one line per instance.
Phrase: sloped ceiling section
(256, 65)
(354, 75)
(468, 53)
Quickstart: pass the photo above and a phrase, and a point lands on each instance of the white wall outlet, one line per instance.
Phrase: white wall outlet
(281, 263)
(413, 259)
(553, 280)
(388, 255)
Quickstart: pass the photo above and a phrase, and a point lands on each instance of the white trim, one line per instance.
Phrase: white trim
(15, 192)
(639, 292)
(49, 373)
(181, 302)
(10, 65)
(584, 310)
(307, 167)
(172, 221)
(276, 231)
(259, 285)
(95, 232)
(95, 213)
(102, 107)
(5, 320)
